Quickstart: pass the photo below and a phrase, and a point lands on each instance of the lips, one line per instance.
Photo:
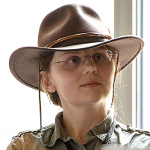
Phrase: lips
(91, 84)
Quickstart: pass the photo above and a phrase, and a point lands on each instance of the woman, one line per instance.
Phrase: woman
(76, 64)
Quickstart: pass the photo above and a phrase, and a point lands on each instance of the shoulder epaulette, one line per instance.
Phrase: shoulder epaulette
(34, 131)
(130, 129)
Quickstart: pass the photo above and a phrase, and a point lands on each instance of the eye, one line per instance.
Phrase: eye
(98, 56)
(73, 60)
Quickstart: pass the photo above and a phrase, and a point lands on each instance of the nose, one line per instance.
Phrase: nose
(89, 66)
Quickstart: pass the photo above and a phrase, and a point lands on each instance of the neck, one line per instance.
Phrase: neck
(78, 121)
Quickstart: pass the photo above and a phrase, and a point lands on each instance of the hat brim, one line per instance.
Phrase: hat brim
(24, 61)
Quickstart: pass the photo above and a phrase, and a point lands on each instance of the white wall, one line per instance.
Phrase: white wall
(123, 26)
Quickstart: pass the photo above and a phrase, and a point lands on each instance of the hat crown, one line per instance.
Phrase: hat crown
(70, 20)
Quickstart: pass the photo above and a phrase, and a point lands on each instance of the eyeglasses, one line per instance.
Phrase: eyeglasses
(99, 58)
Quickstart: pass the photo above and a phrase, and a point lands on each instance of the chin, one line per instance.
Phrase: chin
(95, 99)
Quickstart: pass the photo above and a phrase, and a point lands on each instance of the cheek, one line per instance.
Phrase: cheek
(62, 80)
(65, 86)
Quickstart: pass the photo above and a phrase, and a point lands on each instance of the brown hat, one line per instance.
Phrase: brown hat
(71, 27)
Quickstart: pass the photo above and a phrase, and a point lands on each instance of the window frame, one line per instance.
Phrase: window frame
(128, 20)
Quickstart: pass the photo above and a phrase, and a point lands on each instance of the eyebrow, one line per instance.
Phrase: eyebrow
(78, 51)
(70, 52)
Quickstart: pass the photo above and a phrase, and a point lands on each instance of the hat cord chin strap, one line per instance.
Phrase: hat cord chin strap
(40, 106)
(116, 70)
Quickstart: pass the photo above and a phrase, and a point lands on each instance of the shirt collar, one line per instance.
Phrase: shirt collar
(52, 133)
(101, 129)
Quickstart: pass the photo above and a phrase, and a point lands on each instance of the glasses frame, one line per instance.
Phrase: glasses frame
(113, 53)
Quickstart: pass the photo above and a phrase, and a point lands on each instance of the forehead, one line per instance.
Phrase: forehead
(85, 51)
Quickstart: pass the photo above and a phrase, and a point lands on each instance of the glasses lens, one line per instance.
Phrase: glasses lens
(71, 63)
(102, 57)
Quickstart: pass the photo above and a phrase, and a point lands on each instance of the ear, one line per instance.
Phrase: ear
(46, 82)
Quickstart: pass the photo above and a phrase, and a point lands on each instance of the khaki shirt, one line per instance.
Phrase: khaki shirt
(54, 137)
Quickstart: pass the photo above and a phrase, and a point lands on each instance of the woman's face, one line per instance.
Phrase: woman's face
(81, 79)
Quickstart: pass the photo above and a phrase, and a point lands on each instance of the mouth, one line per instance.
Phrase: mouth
(90, 84)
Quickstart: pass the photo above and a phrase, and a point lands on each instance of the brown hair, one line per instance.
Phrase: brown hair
(45, 66)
